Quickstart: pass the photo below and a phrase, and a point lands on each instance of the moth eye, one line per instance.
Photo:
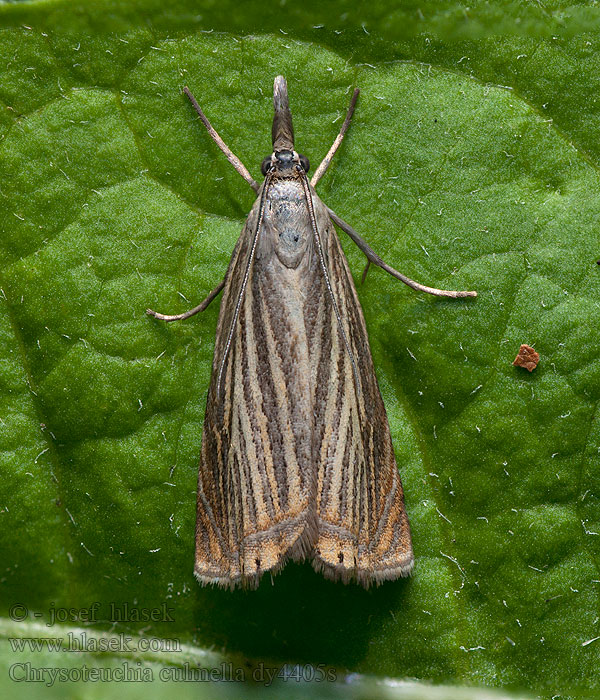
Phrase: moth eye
(304, 162)
(265, 165)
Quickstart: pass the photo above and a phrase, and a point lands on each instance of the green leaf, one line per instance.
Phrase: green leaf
(471, 163)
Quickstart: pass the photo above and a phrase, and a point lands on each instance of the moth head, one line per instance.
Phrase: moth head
(284, 160)
(284, 157)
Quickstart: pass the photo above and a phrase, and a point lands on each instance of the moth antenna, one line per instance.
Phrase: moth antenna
(229, 154)
(283, 129)
(320, 171)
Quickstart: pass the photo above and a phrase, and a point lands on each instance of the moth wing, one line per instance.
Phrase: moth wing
(254, 482)
(364, 532)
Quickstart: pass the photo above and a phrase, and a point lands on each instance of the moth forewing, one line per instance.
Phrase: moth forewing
(297, 458)
(256, 488)
(363, 527)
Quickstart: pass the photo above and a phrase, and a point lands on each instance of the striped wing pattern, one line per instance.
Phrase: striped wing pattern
(257, 484)
(363, 527)
(297, 461)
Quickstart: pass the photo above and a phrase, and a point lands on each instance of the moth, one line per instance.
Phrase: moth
(297, 458)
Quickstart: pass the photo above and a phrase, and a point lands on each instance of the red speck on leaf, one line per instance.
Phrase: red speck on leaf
(527, 357)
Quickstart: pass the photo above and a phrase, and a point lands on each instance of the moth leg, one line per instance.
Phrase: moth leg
(181, 317)
(372, 257)
(320, 171)
(229, 154)
(364, 274)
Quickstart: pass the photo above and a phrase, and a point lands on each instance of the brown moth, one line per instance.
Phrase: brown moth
(297, 458)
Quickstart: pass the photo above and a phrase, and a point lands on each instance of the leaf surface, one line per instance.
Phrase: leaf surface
(471, 163)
